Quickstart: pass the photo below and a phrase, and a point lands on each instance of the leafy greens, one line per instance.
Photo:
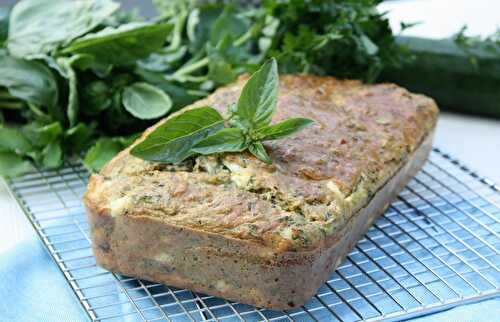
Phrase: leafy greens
(38, 27)
(83, 77)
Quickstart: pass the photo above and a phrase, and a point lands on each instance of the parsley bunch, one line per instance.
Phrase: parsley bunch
(201, 130)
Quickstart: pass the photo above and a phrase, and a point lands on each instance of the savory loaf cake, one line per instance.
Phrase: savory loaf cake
(232, 226)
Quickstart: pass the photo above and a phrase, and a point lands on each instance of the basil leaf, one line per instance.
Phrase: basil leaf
(146, 101)
(200, 23)
(259, 96)
(124, 44)
(220, 71)
(12, 165)
(96, 97)
(282, 129)
(38, 27)
(66, 66)
(172, 141)
(52, 155)
(128, 140)
(122, 17)
(12, 140)
(41, 135)
(225, 140)
(181, 95)
(163, 59)
(258, 150)
(228, 22)
(103, 151)
(28, 80)
(117, 118)
(78, 137)
(368, 45)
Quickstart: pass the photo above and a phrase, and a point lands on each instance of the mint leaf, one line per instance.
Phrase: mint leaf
(124, 44)
(259, 96)
(258, 150)
(146, 101)
(172, 141)
(12, 165)
(38, 27)
(282, 129)
(225, 140)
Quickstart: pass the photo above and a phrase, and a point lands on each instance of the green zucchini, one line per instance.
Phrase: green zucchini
(464, 80)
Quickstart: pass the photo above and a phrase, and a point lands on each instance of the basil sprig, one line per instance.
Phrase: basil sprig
(201, 130)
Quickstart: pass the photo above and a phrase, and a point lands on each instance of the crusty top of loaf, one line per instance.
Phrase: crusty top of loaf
(319, 177)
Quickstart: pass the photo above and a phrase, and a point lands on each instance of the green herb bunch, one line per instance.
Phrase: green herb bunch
(201, 130)
(83, 77)
(347, 39)
(67, 82)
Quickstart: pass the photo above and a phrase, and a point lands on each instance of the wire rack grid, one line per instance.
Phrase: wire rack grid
(436, 246)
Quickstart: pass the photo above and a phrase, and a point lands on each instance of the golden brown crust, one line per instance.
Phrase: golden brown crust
(236, 269)
(320, 177)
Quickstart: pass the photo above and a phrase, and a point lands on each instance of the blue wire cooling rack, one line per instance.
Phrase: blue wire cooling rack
(437, 246)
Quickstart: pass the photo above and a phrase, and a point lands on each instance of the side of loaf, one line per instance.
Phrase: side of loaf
(266, 235)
